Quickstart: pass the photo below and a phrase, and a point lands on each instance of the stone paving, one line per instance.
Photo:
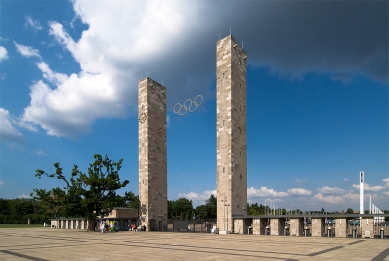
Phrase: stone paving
(41, 244)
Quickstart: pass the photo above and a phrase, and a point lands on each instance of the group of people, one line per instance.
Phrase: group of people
(104, 227)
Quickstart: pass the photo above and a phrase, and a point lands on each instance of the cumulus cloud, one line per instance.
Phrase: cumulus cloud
(109, 60)
(7, 129)
(3, 54)
(367, 187)
(34, 24)
(70, 109)
(386, 181)
(175, 41)
(386, 193)
(298, 192)
(27, 51)
(264, 192)
(329, 199)
(196, 196)
(328, 190)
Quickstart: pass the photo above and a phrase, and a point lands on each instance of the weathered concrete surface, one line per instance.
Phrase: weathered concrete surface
(231, 168)
(55, 244)
(152, 154)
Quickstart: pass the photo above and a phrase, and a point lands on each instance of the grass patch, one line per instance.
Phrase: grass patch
(22, 226)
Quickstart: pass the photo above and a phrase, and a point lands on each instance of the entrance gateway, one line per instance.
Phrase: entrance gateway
(231, 176)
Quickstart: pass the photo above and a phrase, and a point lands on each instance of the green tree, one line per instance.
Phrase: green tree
(89, 195)
(202, 211)
(211, 203)
(253, 209)
(21, 207)
(133, 201)
(209, 210)
(182, 208)
(51, 201)
(4, 207)
(350, 211)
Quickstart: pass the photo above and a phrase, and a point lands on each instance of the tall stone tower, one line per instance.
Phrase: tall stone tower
(231, 132)
(152, 154)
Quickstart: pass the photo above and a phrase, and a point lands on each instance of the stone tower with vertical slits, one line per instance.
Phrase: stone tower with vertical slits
(231, 132)
(152, 155)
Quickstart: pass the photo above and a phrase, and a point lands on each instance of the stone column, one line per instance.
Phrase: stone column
(367, 227)
(341, 227)
(318, 227)
(231, 169)
(274, 227)
(152, 154)
(296, 226)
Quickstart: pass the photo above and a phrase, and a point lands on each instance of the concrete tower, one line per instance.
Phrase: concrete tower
(231, 132)
(152, 154)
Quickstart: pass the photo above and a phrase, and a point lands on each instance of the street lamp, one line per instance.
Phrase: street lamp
(227, 205)
(224, 219)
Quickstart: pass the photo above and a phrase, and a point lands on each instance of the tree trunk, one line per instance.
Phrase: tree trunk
(91, 224)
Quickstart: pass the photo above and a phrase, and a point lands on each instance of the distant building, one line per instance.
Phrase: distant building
(124, 216)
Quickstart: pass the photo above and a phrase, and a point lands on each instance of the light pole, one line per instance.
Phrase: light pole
(227, 205)
(224, 219)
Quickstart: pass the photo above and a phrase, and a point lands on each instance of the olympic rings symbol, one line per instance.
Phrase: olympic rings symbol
(142, 118)
(188, 105)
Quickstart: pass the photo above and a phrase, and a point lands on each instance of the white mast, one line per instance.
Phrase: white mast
(370, 204)
(362, 177)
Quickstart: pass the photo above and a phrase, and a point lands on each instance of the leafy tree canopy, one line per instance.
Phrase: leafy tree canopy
(89, 195)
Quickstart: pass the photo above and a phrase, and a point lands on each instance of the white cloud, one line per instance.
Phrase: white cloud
(345, 179)
(298, 192)
(386, 193)
(334, 190)
(30, 22)
(367, 187)
(24, 196)
(386, 181)
(329, 199)
(190, 195)
(264, 192)
(3, 54)
(49, 75)
(39, 153)
(27, 51)
(7, 130)
(109, 59)
(198, 197)
(299, 182)
(1, 183)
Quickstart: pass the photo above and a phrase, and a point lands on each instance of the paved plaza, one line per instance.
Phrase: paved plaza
(41, 244)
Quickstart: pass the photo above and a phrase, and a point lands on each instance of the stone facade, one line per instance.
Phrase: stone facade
(152, 154)
(127, 213)
(296, 226)
(231, 132)
(367, 228)
(318, 227)
(341, 227)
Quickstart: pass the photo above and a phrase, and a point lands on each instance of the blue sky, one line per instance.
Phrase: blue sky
(317, 88)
